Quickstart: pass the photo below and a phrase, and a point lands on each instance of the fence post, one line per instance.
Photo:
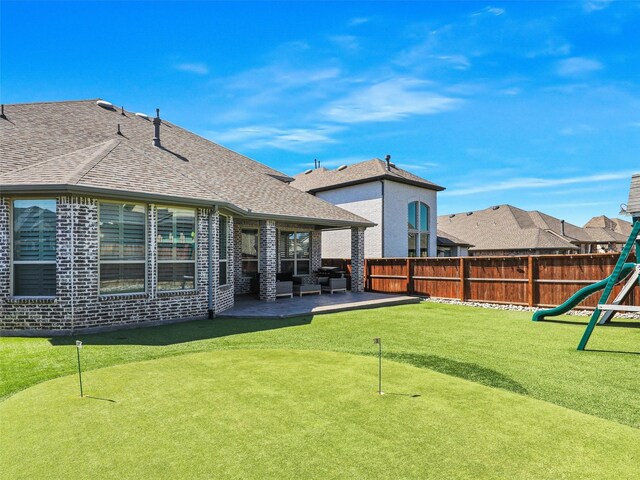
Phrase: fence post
(531, 284)
(366, 275)
(462, 280)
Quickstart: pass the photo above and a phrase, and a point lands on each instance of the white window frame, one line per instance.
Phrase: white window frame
(295, 252)
(13, 262)
(226, 259)
(120, 262)
(195, 249)
(418, 231)
(257, 259)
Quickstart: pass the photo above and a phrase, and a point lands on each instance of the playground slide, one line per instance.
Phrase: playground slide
(580, 295)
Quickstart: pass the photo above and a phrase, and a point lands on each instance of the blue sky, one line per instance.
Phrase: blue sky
(536, 104)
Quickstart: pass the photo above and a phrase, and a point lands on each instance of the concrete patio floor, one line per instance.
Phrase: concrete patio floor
(250, 306)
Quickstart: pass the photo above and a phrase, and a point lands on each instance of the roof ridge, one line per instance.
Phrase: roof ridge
(91, 163)
(50, 159)
(54, 101)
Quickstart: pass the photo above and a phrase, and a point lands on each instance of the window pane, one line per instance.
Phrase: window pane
(424, 244)
(249, 268)
(224, 235)
(249, 248)
(304, 245)
(424, 217)
(222, 276)
(412, 244)
(34, 230)
(303, 267)
(34, 280)
(286, 245)
(122, 231)
(122, 278)
(176, 234)
(286, 266)
(411, 214)
(176, 276)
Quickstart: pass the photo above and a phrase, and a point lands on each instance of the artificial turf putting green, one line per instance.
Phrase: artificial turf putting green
(299, 414)
(502, 349)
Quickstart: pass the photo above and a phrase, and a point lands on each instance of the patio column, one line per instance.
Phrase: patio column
(357, 259)
(268, 260)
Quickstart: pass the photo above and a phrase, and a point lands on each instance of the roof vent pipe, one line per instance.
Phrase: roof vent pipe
(156, 129)
(315, 163)
(388, 160)
(562, 227)
(2, 115)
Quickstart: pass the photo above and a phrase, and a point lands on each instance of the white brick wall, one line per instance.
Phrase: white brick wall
(396, 199)
(390, 233)
(364, 200)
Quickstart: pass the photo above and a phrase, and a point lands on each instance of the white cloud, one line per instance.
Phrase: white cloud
(294, 139)
(523, 183)
(594, 5)
(197, 68)
(577, 66)
(390, 100)
(348, 43)
(358, 21)
(490, 10)
(576, 130)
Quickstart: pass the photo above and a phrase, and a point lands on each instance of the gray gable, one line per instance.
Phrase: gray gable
(324, 179)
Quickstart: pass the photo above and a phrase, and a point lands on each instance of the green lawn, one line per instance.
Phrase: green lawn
(266, 396)
(299, 414)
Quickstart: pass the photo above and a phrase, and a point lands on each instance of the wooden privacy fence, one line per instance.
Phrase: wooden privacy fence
(538, 280)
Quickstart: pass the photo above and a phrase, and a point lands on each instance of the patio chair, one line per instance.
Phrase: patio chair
(335, 285)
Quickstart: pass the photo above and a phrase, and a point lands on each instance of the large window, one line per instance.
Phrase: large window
(176, 242)
(122, 248)
(294, 249)
(223, 271)
(249, 253)
(34, 248)
(418, 229)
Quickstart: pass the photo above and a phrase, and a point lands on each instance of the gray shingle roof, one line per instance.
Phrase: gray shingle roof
(633, 204)
(603, 229)
(506, 227)
(446, 239)
(76, 144)
(371, 170)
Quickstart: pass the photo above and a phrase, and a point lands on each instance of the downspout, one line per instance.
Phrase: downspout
(382, 218)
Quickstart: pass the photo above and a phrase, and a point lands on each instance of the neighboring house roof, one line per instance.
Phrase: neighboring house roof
(321, 179)
(603, 229)
(74, 146)
(633, 204)
(446, 240)
(505, 227)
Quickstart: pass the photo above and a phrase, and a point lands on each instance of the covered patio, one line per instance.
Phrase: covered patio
(249, 306)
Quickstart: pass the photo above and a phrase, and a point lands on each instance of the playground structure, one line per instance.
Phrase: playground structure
(623, 271)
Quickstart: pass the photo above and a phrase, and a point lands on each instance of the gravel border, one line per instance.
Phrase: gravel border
(521, 308)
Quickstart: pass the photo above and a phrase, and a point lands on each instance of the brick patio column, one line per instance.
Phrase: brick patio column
(268, 260)
(316, 254)
(357, 259)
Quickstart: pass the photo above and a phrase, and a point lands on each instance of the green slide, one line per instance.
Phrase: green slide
(580, 295)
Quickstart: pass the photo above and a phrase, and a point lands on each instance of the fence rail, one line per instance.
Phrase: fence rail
(537, 280)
